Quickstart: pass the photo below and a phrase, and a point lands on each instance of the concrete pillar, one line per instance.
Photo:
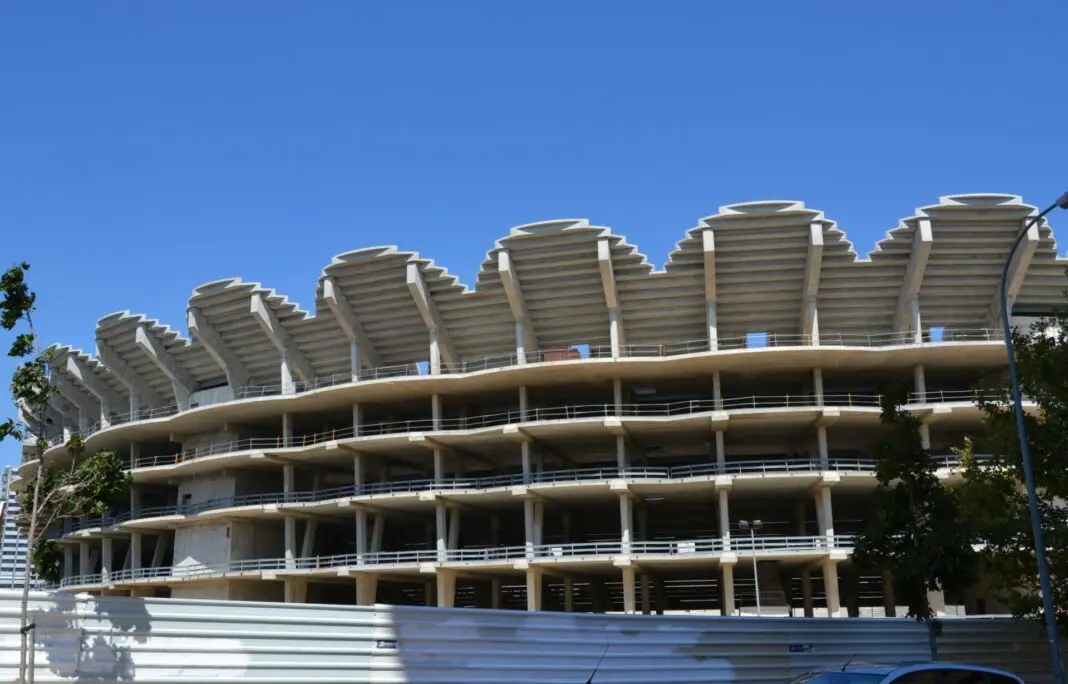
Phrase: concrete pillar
(435, 411)
(614, 330)
(285, 375)
(625, 522)
(717, 392)
(454, 528)
(361, 535)
(889, 605)
(617, 395)
(524, 402)
(159, 551)
(629, 603)
(539, 523)
(925, 436)
(821, 447)
(358, 475)
(296, 590)
(495, 593)
(919, 382)
(646, 595)
(446, 584)
(811, 311)
(354, 360)
(534, 588)
(366, 588)
(724, 517)
(106, 558)
(135, 404)
(135, 452)
(435, 353)
(830, 585)
(721, 452)
(357, 419)
(569, 595)
(83, 421)
(135, 501)
(806, 591)
(916, 320)
(824, 502)
(525, 455)
(105, 414)
(528, 526)
(68, 560)
(713, 327)
(135, 550)
(520, 342)
(287, 429)
(937, 601)
(817, 385)
(376, 532)
(727, 576)
(290, 541)
(429, 590)
(622, 461)
(307, 549)
(440, 518)
(439, 465)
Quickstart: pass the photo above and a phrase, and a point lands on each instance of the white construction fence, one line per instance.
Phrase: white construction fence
(108, 640)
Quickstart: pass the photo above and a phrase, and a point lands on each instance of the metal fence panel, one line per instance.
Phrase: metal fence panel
(1015, 645)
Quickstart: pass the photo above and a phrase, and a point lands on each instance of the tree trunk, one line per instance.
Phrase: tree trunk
(27, 642)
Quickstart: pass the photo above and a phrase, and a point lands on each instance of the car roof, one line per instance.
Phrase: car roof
(901, 668)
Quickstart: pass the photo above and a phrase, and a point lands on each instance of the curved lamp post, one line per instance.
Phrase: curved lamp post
(1025, 452)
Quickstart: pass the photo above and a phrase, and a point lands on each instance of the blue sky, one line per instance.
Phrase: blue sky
(146, 148)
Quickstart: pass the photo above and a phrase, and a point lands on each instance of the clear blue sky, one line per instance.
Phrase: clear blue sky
(146, 148)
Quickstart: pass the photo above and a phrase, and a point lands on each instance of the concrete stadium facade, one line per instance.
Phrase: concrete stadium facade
(578, 432)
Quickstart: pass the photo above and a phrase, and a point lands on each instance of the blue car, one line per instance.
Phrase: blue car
(916, 673)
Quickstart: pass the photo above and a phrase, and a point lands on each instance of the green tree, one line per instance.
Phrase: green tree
(90, 485)
(916, 530)
(995, 501)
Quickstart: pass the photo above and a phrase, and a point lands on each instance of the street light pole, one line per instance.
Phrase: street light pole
(1025, 452)
(753, 527)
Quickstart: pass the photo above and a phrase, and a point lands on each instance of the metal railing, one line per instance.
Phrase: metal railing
(769, 340)
(598, 550)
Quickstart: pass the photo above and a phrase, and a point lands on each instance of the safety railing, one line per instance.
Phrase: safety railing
(769, 340)
(597, 550)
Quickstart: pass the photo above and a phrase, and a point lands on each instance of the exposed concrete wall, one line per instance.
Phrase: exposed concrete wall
(202, 590)
(206, 439)
(206, 488)
(208, 543)
(251, 540)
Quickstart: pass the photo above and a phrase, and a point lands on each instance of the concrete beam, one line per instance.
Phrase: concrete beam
(72, 394)
(1021, 261)
(346, 318)
(428, 311)
(922, 241)
(811, 284)
(134, 383)
(84, 376)
(708, 245)
(526, 340)
(182, 382)
(291, 354)
(199, 328)
(611, 297)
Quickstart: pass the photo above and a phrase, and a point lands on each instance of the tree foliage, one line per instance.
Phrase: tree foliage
(916, 530)
(995, 500)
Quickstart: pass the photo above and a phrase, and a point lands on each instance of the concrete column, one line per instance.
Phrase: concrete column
(919, 381)
(916, 321)
(617, 395)
(135, 452)
(811, 311)
(435, 410)
(430, 589)
(135, 550)
(646, 596)
(534, 588)
(454, 528)
(366, 588)
(296, 590)
(817, 384)
(495, 593)
(539, 523)
(925, 436)
(308, 544)
(717, 392)
(83, 421)
(376, 532)
(135, 501)
(625, 522)
(622, 462)
(361, 535)
(358, 476)
(724, 518)
(354, 360)
(524, 448)
(439, 465)
(287, 429)
(291, 541)
(524, 402)
(569, 595)
(821, 447)
(135, 404)
(830, 584)
(828, 513)
(937, 600)
(721, 452)
(806, 591)
(528, 526)
(159, 551)
(889, 604)
(357, 419)
(68, 560)
(106, 557)
(713, 326)
(727, 576)
(441, 514)
(629, 603)
(520, 342)
(435, 353)
(614, 332)
(446, 583)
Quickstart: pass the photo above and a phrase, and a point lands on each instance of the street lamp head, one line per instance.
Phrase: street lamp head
(1062, 201)
(757, 524)
(743, 524)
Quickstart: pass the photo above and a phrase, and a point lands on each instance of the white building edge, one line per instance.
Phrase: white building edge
(580, 431)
